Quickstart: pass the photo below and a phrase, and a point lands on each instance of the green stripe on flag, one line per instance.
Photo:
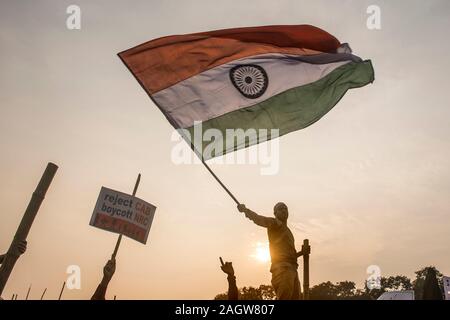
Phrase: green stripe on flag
(291, 110)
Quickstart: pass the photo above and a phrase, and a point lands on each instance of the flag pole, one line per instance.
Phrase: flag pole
(188, 141)
(119, 239)
(220, 182)
(26, 222)
(200, 156)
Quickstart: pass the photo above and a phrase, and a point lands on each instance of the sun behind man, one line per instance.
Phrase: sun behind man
(282, 251)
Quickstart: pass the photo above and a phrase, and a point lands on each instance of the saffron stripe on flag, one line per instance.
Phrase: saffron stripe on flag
(163, 62)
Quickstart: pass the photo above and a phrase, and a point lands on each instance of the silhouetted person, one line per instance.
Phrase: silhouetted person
(108, 272)
(18, 248)
(227, 267)
(282, 251)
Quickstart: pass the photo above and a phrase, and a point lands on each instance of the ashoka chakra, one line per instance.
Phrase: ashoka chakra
(251, 80)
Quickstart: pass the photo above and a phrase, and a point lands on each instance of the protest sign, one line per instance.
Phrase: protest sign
(124, 214)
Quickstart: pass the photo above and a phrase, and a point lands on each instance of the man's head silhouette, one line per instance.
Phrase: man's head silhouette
(281, 211)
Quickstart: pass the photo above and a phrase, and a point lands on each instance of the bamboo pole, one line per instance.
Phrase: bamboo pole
(26, 223)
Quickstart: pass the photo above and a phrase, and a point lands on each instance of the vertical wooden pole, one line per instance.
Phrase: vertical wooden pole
(306, 248)
(119, 239)
(62, 289)
(25, 224)
(43, 293)
(28, 293)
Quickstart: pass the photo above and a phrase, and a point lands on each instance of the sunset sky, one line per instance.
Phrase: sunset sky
(369, 184)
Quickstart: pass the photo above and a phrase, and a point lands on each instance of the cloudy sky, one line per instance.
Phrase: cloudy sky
(369, 184)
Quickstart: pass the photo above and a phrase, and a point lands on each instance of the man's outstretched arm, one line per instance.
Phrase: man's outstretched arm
(227, 267)
(108, 272)
(262, 221)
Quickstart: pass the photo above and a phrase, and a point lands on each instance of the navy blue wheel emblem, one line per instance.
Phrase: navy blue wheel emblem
(250, 80)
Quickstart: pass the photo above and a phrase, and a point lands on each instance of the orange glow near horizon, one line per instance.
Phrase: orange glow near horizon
(262, 252)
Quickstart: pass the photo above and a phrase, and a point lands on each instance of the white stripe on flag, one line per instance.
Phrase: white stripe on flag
(211, 94)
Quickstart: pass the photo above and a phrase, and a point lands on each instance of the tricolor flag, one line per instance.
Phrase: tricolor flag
(271, 77)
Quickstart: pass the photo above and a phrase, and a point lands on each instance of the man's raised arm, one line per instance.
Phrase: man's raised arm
(262, 221)
(108, 272)
(227, 267)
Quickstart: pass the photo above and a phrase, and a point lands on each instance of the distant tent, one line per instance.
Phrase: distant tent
(397, 295)
(431, 289)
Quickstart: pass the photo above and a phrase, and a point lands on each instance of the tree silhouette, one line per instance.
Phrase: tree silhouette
(419, 283)
(392, 283)
(343, 290)
(263, 292)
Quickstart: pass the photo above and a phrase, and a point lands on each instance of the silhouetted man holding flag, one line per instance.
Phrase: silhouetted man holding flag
(282, 251)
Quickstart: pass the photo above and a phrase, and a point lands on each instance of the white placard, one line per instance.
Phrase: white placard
(122, 213)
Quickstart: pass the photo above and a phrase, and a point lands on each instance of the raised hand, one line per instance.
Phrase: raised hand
(241, 207)
(227, 267)
(109, 269)
(22, 246)
(19, 247)
(307, 250)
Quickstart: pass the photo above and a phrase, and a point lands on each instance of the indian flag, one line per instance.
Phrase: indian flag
(282, 77)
